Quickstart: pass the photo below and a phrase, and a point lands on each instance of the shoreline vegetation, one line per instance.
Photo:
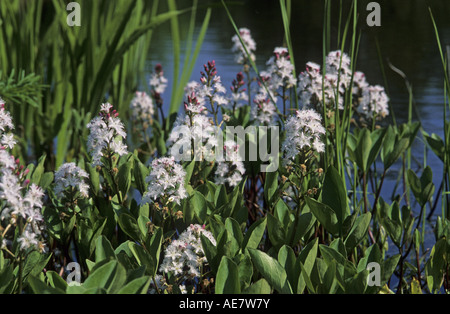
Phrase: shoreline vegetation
(107, 188)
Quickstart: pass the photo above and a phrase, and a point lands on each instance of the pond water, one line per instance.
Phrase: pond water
(406, 38)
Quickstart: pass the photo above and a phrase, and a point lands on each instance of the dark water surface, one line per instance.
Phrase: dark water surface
(406, 39)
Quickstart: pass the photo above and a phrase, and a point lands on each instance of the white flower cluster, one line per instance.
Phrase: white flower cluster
(158, 82)
(338, 66)
(303, 132)
(184, 257)
(239, 95)
(316, 90)
(231, 170)
(264, 110)
(19, 201)
(279, 74)
(359, 83)
(195, 104)
(193, 138)
(280, 70)
(241, 56)
(142, 108)
(371, 101)
(194, 132)
(209, 88)
(71, 176)
(106, 135)
(165, 181)
(374, 103)
(6, 138)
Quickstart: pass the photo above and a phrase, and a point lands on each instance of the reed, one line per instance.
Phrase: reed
(83, 66)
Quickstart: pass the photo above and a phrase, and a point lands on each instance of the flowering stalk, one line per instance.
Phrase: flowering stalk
(238, 93)
(142, 112)
(304, 132)
(244, 54)
(264, 110)
(248, 45)
(184, 258)
(281, 74)
(158, 85)
(231, 170)
(105, 141)
(20, 202)
(165, 186)
(212, 88)
(195, 132)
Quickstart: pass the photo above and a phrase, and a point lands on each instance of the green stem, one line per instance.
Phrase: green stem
(366, 206)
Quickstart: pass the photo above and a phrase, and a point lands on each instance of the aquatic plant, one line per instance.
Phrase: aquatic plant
(180, 203)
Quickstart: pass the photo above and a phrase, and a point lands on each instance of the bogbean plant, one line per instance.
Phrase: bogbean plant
(144, 221)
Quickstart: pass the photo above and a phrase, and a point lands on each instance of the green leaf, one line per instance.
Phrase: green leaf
(304, 224)
(360, 153)
(46, 180)
(388, 267)
(103, 249)
(287, 259)
(436, 144)
(276, 232)
(259, 287)
(189, 168)
(344, 267)
(325, 215)
(129, 225)
(124, 177)
(415, 286)
(55, 280)
(155, 247)
(394, 230)
(254, 234)
(357, 284)
(434, 268)
(110, 276)
(136, 286)
(39, 287)
(38, 171)
(6, 276)
(271, 270)
(245, 268)
(393, 147)
(304, 279)
(94, 179)
(358, 231)
(67, 228)
(234, 230)
(210, 252)
(307, 258)
(271, 187)
(283, 213)
(227, 279)
(35, 263)
(143, 258)
(329, 279)
(221, 196)
(422, 188)
(140, 173)
(198, 202)
(334, 194)
(143, 222)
